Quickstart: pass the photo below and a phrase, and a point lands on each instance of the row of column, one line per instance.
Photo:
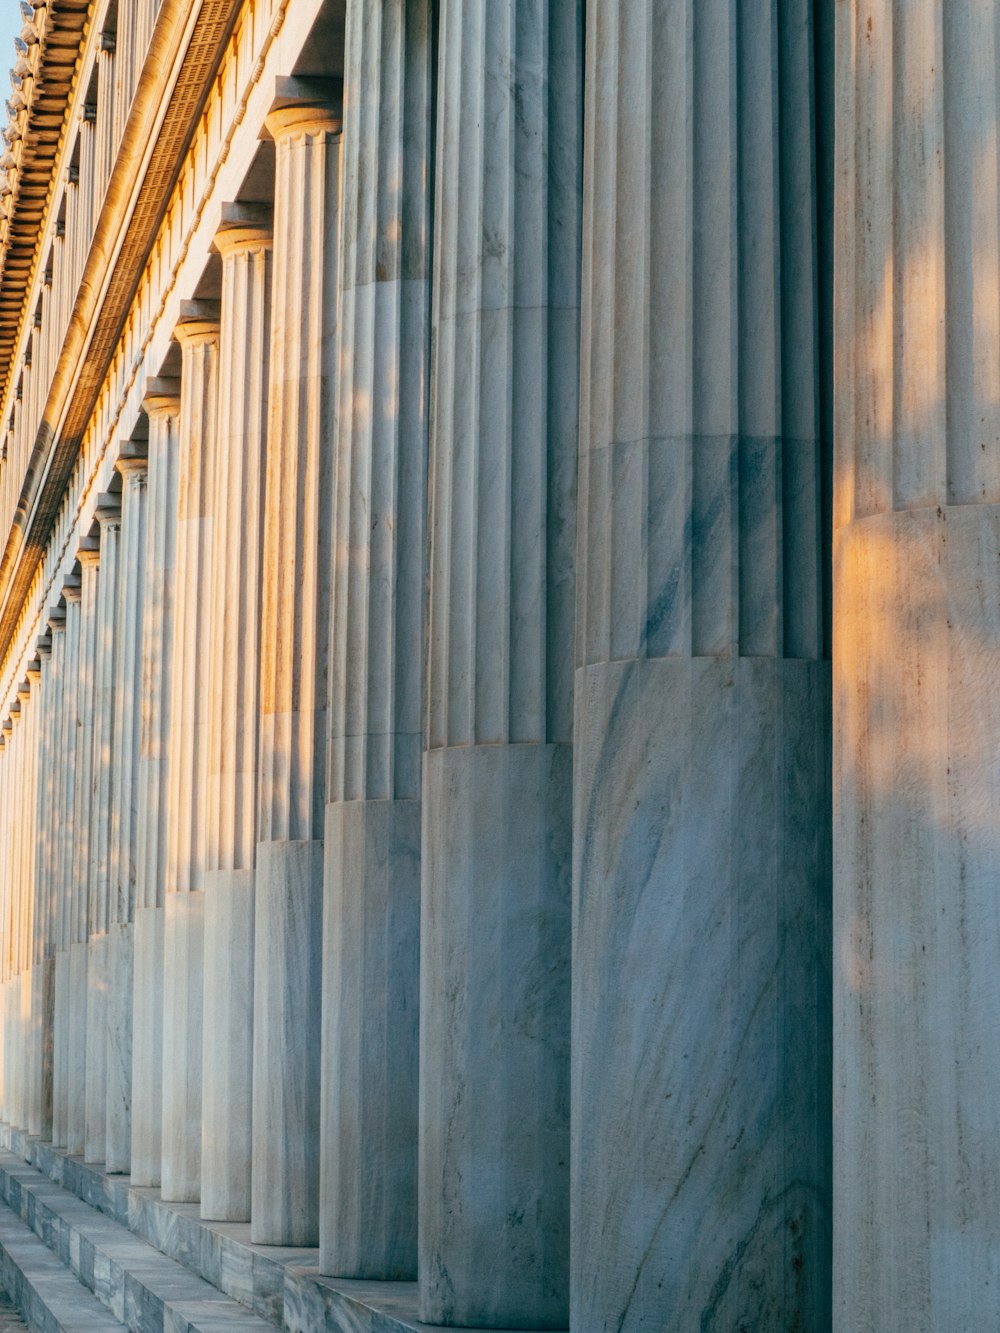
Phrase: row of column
(574, 809)
(593, 860)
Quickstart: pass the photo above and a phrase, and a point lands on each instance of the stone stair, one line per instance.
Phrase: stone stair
(135, 1261)
(45, 1292)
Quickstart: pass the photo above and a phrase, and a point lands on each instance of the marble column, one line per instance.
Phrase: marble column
(191, 701)
(108, 516)
(88, 554)
(294, 637)
(495, 923)
(64, 862)
(244, 242)
(43, 688)
(162, 406)
(131, 465)
(56, 621)
(917, 668)
(701, 1041)
(28, 1015)
(104, 141)
(371, 914)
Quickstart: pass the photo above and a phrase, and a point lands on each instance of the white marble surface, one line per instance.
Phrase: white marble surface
(368, 1185)
(183, 1003)
(147, 1046)
(96, 1042)
(296, 573)
(118, 1089)
(495, 939)
(76, 1048)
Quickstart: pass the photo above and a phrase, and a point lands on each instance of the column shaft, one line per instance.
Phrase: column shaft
(701, 1119)
(371, 916)
(125, 801)
(162, 404)
(183, 987)
(916, 668)
(495, 923)
(64, 866)
(234, 724)
(88, 556)
(294, 642)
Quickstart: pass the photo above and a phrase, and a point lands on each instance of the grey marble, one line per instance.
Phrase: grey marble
(494, 1036)
(183, 1005)
(147, 1045)
(118, 1101)
(227, 1089)
(288, 969)
(371, 947)
(96, 1037)
(76, 1045)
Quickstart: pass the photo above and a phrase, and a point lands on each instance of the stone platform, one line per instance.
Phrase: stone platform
(156, 1267)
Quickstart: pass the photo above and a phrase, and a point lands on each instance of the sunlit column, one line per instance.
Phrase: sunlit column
(371, 915)
(125, 37)
(131, 465)
(39, 675)
(108, 516)
(917, 667)
(294, 638)
(191, 704)
(244, 242)
(64, 862)
(88, 554)
(495, 921)
(55, 668)
(162, 406)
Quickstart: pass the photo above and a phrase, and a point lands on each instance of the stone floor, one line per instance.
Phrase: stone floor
(9, 1318)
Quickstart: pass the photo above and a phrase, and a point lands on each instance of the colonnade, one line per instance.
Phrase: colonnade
(385, 636)
(416, 827)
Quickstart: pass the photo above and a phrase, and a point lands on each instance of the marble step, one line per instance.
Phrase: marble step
(46, 1293)
(280, 1285)
(144, 1289)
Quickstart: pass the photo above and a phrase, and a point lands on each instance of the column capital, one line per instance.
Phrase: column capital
(33, 671)
(242, 226)
(197, 322)
(72, 589)
(133, 456)
(305, 105)
(56, 619)
(89, 551)
(43, 644)
(24, 689)
(108, 508)
(162, 396)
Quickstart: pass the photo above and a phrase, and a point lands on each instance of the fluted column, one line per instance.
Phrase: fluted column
(191, 702)
(108, 516)
(162, 405)
(131, 465)
(294, 637)
(40, 1107)
(88, 554)
(64, 863)
(917, 668)
(700, 1154)
(495, 921)
(371, 915)
(56, 622)
(125, 37)
(244, 241)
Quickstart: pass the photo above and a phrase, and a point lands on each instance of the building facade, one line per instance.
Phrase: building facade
(500, 665)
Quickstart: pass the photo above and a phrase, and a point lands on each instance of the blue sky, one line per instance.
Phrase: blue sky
(10, 26)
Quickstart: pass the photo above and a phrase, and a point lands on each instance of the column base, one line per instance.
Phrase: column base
(288, 960)
(147, 1046)
(76, 1073)
(227, 1087)
(95, 1138)
(371, 984)
(118, 1154)
(183, 999)
(494, 1036)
